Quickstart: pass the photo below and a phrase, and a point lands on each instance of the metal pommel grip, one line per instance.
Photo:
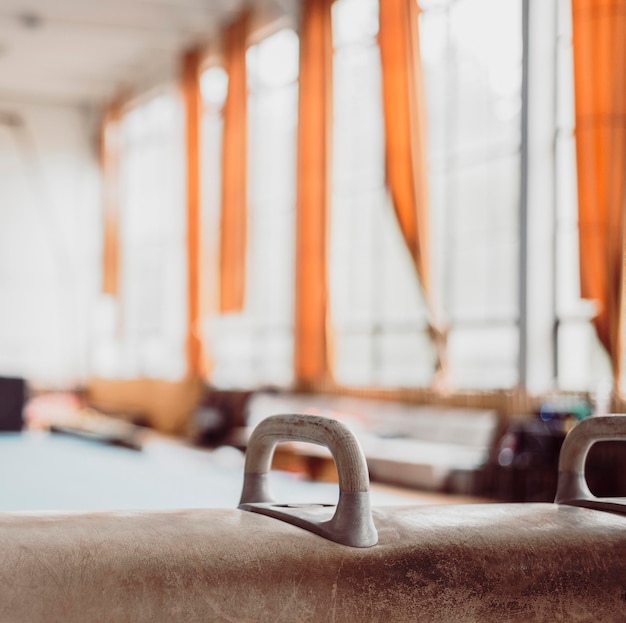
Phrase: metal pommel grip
(352, 523)
(572, 486)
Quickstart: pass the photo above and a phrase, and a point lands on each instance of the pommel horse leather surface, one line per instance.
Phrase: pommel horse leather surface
(492, 562)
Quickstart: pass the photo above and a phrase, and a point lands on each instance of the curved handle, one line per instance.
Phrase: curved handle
(572, 486)
(352, 523)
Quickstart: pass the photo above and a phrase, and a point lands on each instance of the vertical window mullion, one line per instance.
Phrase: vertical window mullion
(523, 209)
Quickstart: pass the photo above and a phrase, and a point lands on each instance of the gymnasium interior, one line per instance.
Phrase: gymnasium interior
(406, 215)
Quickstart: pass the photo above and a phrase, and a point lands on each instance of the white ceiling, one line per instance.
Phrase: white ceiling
(84, 51)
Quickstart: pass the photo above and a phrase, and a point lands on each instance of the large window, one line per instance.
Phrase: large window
(145, 334)
(503, 232)
(503, 239)
(256, 346)
(472, 74)
(377, 310)
(473, 80)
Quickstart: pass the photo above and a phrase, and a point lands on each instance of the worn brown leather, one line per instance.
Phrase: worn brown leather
(518, 562)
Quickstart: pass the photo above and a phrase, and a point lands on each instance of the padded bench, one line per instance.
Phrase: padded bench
(424, 447)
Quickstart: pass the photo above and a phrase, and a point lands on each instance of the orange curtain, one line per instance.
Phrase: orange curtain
(109, 165)
(313, 177)
(599, 42)
(403, 106)
(405, 140)
(193, 112)
(234, 171)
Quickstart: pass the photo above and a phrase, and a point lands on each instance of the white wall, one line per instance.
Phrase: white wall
(49, 241)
